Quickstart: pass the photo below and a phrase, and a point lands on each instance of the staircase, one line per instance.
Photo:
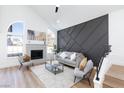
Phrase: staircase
(114, 78)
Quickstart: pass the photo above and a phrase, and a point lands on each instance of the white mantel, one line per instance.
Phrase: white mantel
(35, 42)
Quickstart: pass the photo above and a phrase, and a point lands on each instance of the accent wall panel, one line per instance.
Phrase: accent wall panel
(88, 38)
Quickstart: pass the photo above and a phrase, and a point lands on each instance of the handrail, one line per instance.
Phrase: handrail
(108, 50)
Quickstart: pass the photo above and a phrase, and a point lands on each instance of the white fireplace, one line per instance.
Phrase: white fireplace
(37, 52)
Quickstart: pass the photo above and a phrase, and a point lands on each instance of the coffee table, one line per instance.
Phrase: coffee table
(54, 67)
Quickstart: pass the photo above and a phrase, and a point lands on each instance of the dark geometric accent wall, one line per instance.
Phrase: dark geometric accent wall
(89, 38)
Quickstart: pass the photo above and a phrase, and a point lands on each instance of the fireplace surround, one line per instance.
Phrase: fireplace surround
(37, 52)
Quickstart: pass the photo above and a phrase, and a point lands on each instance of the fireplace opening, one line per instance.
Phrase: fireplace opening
(36, 54)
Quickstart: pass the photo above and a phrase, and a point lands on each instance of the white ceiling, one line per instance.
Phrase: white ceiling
(69, 15)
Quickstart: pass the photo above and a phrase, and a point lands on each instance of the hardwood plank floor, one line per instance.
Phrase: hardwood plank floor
(24, 78)
(14, 78)
(82, 84)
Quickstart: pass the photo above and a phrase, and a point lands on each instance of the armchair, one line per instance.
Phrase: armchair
(84, 74)
(23, 61)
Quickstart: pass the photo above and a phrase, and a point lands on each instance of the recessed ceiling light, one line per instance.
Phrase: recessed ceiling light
(58, 21)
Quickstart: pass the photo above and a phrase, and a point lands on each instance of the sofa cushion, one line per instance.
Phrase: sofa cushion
(78, 73)
(67, 61)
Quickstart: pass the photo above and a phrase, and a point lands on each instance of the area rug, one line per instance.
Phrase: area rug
(50, 80)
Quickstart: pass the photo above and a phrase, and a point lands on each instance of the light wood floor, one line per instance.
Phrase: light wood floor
(15, 78)
(82, 84)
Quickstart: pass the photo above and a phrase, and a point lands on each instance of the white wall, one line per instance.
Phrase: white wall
(116, 36)
(9, 15)
(116, 39)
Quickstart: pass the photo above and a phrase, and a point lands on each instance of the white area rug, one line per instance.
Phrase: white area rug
(50, 80)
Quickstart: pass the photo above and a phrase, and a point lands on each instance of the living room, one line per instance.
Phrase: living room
(53, 41)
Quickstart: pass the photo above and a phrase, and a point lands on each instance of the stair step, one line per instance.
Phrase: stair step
(114, 77)
(113, 82)
(116, 71)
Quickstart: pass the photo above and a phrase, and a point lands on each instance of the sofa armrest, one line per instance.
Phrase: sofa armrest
(79, 59)
(58, 54)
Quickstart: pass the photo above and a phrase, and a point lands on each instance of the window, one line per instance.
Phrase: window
(15, 40)
(50, 41)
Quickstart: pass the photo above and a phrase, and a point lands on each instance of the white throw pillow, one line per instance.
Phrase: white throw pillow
(63, 55)
(73, 57)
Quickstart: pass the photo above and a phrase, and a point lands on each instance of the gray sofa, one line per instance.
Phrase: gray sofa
(67, 60)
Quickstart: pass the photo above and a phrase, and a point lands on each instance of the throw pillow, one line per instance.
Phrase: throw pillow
(26, 58)
(73, 57)
(63, 55)
(83, 64)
